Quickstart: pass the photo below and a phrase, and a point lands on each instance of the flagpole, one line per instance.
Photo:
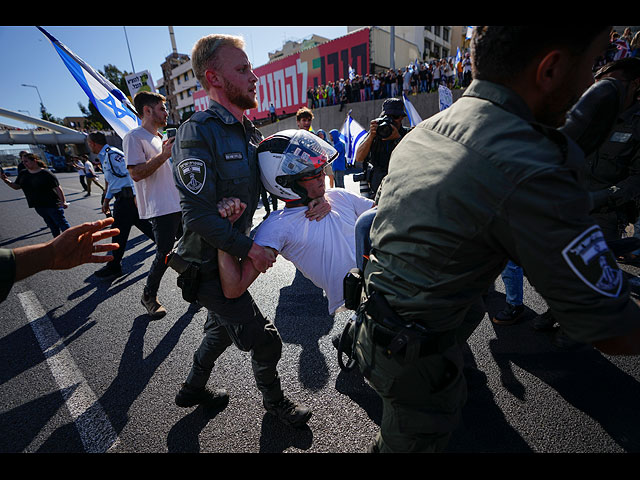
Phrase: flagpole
(128, 48)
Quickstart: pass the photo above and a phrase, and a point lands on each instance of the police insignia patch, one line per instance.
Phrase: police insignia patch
(590, 258)
(193, 173)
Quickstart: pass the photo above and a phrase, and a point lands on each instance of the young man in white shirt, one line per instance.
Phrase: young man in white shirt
(324, 251)
(156, 194)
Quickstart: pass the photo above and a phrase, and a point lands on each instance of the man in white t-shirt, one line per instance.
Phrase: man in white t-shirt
(324, 251)
(157, 197)
(90, 176)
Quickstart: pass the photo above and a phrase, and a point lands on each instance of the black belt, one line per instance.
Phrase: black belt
(125, 192)
(390, 331)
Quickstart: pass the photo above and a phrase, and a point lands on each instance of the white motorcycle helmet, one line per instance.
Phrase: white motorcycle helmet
(288, 156)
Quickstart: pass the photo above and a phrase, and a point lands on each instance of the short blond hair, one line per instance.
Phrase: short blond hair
(204, 55)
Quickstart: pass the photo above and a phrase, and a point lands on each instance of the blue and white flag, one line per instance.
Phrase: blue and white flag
(412, 113)
(352, 73)
(445, 96)
(352, 134)
(469, 32)
(112, 104)
(458, 56)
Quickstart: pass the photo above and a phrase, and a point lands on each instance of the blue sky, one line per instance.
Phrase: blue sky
(27, 57)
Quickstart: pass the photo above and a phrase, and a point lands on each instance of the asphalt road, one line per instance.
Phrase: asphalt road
(82, 369)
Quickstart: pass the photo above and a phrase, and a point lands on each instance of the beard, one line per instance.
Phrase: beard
(239, 98)
(555, 109)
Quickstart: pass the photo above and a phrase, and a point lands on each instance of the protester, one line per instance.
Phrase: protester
(90, 176)
(339, 165)
(42, 191)
(78, 164)
(157, 198)
(323, 251)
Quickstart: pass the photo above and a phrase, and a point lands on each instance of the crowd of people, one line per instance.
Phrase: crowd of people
(198, 208)
(419, 77)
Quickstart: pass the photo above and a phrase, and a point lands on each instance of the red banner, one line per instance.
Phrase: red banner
(200, 100)
(284, 83)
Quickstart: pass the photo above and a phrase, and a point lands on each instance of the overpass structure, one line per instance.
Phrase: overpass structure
(53, 134)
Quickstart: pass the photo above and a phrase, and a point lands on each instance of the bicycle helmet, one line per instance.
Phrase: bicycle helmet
(288, 156)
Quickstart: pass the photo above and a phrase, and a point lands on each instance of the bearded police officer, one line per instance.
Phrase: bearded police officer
(487, 180)
(214, 157)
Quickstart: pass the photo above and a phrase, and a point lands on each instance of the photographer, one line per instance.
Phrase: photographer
(384, 134)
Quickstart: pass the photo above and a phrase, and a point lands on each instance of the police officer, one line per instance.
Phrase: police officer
(215, 156)
(375, 150)
(504, 186)
(119, 185)
(612, 172)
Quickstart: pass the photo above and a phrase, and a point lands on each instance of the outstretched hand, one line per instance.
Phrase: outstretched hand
(78, 245)
(75, 246)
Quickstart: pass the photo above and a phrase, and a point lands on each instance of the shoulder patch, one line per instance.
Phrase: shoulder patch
(193, 174)
(591, 260)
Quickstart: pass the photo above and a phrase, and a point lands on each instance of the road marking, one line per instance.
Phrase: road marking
(96, 432)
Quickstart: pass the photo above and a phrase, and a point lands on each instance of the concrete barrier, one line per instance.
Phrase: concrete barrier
(328, 118)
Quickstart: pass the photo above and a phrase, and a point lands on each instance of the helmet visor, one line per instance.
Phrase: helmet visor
(306, 153)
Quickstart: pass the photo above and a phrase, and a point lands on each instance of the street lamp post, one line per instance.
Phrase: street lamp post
(42, 110)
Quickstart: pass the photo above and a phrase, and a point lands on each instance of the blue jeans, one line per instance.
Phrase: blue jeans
(54, 218)
(363, 237)
(512, 277)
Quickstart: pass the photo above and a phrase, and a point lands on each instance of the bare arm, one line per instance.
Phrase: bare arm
(61, 198)
(141, 171)
(75, 246)
(13, 185)
(236, 276)
(365, 146)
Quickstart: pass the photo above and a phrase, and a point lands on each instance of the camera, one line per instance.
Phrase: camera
(385, 126)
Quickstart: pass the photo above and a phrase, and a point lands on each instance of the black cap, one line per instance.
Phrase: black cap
(393, 106)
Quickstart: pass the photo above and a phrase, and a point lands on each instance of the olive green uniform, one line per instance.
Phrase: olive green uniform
(613, 173)
(471, 187)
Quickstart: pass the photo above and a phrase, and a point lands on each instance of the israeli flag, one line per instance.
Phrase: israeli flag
(412, 113)
(352, 73)
(458, 56)
(469, 32)
(112, 104)
(352, 134)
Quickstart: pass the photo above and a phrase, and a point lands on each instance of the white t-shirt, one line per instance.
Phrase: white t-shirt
(157, 194)
(88, 169)
(323, 251)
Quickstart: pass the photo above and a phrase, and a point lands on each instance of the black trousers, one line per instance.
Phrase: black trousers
(237, 322)
(125, 216)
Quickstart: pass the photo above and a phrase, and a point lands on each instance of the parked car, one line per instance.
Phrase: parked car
(10, 171)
